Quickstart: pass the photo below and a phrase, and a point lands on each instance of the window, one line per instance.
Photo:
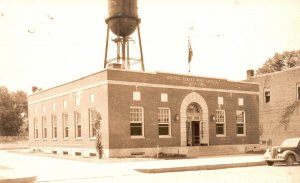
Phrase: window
(77, 101)
(220, 123)
(36, 128)
(164, 97)
(298, 91)
(136, 121)
(65, 125)
(92, 98)
(164, 119)
(92, 118)
(267, 95)
(77, 116)
(44, 127)
(54, 126)
(241, 101)
(240, 123)
(137, 96)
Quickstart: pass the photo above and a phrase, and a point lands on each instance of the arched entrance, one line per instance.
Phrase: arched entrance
(193, 128)
(194, 120)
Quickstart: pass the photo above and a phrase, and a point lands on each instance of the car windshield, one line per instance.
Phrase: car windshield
(290, 143)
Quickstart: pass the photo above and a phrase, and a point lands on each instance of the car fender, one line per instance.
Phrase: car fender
(288, 152)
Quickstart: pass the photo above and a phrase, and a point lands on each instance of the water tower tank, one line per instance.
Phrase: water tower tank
(122, 17)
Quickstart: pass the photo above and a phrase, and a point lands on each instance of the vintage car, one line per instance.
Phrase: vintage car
(288, 152)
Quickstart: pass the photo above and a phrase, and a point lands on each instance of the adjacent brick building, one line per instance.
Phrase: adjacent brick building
(279, 110)
(142, 111)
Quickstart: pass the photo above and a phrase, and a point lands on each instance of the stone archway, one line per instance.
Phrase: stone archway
(193, 98)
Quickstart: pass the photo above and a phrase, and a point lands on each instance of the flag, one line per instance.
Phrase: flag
(190, 56)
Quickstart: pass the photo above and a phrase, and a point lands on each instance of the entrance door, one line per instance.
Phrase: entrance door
(195, 133)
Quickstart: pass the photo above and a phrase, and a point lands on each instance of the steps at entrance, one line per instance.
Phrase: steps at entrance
(196, 151)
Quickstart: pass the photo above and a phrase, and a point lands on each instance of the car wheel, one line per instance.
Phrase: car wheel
(290, 160)
(270, 163)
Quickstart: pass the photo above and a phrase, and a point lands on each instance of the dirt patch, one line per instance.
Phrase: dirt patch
(14, 145)
(4, 168)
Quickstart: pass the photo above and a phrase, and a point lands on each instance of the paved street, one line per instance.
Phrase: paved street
(260, 174)
(60, 170)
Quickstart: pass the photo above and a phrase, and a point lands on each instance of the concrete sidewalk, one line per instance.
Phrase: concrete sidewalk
(202, 163)
(40, 165)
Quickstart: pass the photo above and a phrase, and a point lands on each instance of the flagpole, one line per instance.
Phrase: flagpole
(189, 67)
(189, 54)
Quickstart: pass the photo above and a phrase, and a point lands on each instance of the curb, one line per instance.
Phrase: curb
(16, 176)
(18, 180)
(201, 167)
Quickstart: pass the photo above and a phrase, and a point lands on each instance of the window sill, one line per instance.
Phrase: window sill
(241, 135)
(36, 139)
(44, 139)
(220, 135)
(137, 137)
(54, 139)
(164, 136)
(92, 138)
(66, 138)
(78, 138)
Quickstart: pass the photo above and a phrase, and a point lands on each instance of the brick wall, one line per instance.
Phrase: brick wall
(283, 90)
(120, 100)
(81, 88)
(113, 91)
(231, 106)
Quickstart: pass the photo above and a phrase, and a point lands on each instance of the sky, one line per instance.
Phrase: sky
(46, 43)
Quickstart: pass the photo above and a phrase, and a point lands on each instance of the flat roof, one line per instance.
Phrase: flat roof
(162, 78)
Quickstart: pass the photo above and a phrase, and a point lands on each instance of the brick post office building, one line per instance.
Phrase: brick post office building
(279, 106)
(142, 111)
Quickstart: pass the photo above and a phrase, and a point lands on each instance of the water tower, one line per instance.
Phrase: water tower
(123, 21)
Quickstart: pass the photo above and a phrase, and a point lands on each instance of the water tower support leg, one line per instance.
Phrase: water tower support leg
(141, 50)
(106, 46)
(123, 52)
(118, 42)
(128, 60)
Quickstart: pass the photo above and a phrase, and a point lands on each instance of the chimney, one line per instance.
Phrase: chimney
(114, 66)
(250, 73)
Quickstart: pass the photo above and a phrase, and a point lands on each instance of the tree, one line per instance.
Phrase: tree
(279, 62)
(13, 112)
(99, 146)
